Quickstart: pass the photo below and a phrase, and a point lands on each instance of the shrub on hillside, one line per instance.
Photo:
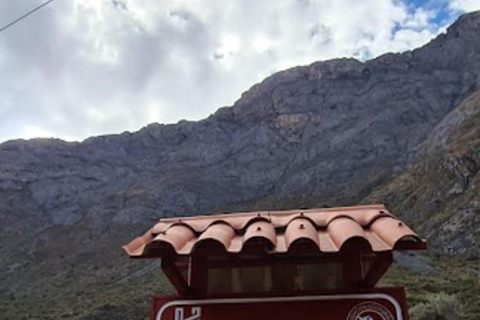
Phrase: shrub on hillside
(439, 306)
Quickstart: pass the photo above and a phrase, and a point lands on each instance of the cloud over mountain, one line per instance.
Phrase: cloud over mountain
(82, 68)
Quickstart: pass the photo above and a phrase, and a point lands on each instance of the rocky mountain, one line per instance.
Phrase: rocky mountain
(440, 193)
(401, 129)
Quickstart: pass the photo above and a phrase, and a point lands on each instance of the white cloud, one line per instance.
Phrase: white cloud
(29, 132)
(88, 67)
(465, 5)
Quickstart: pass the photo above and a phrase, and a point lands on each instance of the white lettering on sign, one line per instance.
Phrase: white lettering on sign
(195, 313)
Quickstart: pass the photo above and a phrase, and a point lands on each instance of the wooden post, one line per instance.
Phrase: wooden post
(351, 268)
(198, 275)
(378, 269)
(174, 275)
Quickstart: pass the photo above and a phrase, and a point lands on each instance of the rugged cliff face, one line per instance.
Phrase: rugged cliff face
(339, 132)
(440, 193)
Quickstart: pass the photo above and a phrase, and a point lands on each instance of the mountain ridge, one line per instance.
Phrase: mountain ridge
(398, 129)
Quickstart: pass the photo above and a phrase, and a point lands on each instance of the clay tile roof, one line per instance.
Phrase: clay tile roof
(325, 230)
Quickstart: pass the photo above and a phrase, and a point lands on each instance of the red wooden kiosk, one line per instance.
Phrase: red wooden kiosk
(308, 264)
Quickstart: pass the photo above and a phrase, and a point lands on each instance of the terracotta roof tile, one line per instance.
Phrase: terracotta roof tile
(324, 230)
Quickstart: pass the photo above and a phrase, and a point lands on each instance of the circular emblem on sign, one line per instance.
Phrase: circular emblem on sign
(369, 311)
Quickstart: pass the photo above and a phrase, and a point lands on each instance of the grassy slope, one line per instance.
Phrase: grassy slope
(457, 275)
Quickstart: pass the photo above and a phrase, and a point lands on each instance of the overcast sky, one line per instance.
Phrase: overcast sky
(78, 68)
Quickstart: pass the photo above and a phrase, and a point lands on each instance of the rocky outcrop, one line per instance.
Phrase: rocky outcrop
(439, 192)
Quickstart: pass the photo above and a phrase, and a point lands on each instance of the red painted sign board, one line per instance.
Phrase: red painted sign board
(375, 304)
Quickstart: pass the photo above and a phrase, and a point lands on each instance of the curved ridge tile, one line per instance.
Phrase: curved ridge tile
(326, 242)
(371, 216)
(160, 227)
(254, 219)
(323, 218)
(391, 230)
(280, 221)
(329, 229)
(300, 215)
(376, 243)
(262, 230)
(342, 229)
(198, 225)
(409, 242)
(281, 246)
(177, 236)
(137, 245)
(236, 245)
(223, 233)
(240, 223)
(319, 218)
(301, 228)
(339, 216)
(201, 223)
(187, 249)
(365, 217)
